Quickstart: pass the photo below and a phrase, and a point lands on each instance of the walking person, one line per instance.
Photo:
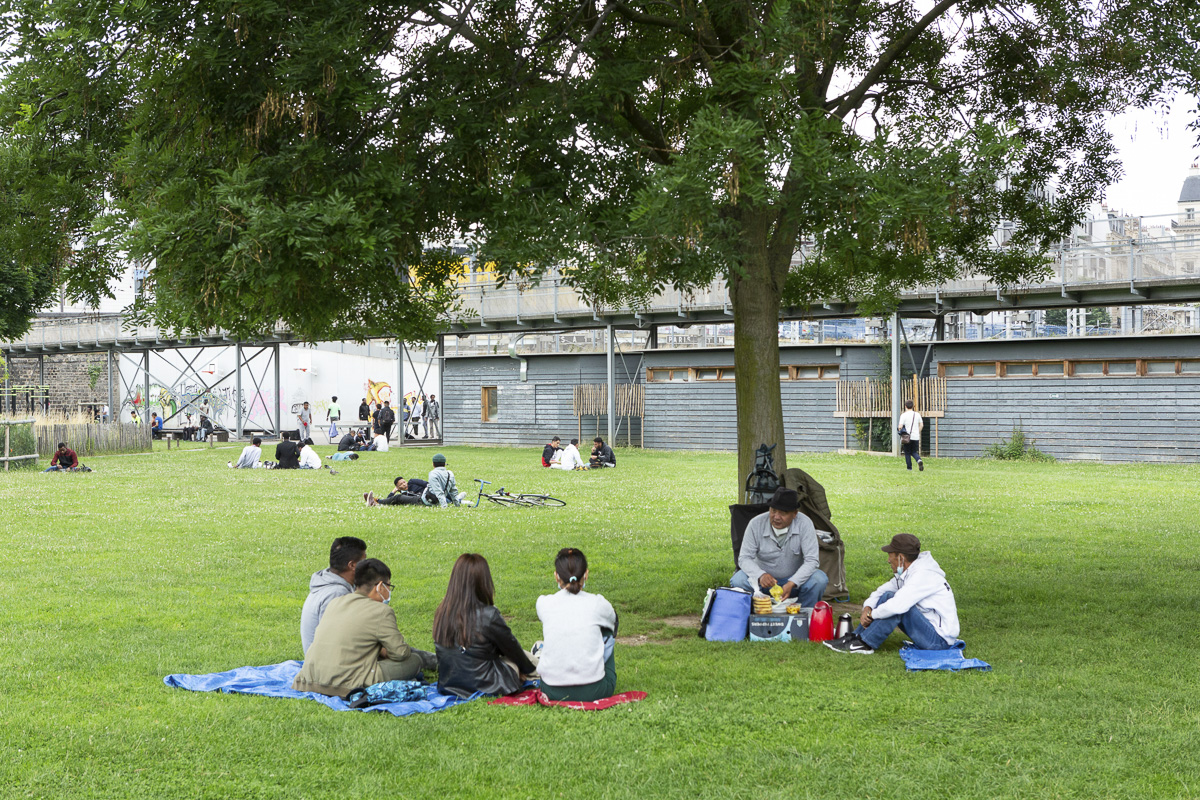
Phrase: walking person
(386, 419)
(433, 416)
(911, 425)
(305, 419)
(333, 413)
(415, 417)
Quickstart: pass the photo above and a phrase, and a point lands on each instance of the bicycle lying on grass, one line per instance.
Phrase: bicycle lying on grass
(503, 498)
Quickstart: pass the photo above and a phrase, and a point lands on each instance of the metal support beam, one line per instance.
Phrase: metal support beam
(610, 376)
(112, 393)
(278, 395)
(441, 359)
(237, 391)
(895, 384)
(145, 415)
(399, 397)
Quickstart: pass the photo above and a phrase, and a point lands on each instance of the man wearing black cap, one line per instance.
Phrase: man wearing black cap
(917, 600)
(780, 547)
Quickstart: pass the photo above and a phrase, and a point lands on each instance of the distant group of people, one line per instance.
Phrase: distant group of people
(351, 638)
(438, 489)
(288, 455)
(555, 456)
(421, 416)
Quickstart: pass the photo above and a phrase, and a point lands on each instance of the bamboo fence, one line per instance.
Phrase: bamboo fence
(870, 399)
(591, 399)
(91, 439)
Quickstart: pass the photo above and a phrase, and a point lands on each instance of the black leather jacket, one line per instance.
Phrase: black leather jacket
(462, 671)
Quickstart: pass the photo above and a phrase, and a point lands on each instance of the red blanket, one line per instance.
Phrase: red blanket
(531, 697)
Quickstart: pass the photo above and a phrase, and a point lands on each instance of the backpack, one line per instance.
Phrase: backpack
(386, 692)
(762, 482)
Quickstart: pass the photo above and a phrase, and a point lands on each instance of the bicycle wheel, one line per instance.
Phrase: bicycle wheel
(504, 500)
(542, 500)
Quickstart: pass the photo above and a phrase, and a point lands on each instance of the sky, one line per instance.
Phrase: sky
(1156, 148)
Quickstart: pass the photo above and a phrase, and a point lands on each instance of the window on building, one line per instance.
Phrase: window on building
(1122, 367)
(1189, 366)
(1190, 213)
(708, 374)
(1018, 370)
(1049, 369)
(957, 370)
(1088, 368)
(785, 373)
(490, 404)
(660, 375)
(808, 373)
(1160, 367)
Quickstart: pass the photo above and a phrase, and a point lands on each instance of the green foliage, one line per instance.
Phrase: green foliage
(22, 441)
(94, 370)
(1098, 317)
(189, 576)
(878, 431)
(1016, 448)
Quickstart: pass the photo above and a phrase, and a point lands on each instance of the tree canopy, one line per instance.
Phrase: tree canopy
(290, 161)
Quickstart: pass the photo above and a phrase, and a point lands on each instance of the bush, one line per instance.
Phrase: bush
(21, 442)
(879, 430)
(1016, 448)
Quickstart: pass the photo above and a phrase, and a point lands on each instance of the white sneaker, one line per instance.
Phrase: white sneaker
(229, 464)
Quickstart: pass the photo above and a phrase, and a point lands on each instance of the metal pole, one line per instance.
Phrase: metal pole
(278, 395)
(612, 389)
(399, 397)
(895, 383)
(146, 382)
(111, 389)
(237, 392)
(441, 363)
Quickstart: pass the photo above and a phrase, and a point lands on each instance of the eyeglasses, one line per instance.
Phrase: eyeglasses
(390, 587)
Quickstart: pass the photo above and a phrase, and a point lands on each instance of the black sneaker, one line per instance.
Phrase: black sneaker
(850, 643)
(921, 466)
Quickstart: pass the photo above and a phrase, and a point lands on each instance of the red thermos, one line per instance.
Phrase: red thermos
(820, 625)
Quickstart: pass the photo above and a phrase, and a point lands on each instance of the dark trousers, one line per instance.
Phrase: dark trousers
(386, 430)
(911, 450)
(398, 499)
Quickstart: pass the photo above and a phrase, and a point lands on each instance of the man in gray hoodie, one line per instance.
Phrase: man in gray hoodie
(327, 584)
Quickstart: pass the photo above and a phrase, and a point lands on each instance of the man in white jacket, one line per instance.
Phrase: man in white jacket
(918, 600)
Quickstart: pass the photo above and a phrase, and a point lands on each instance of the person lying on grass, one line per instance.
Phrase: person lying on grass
(917, 600)
(357, 643)
(781, 547)
(65, 460)
(576, 661)
(408, 492)
(326, 585)
(476, 650)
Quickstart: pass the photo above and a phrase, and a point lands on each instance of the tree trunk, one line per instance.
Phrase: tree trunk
(756, 297)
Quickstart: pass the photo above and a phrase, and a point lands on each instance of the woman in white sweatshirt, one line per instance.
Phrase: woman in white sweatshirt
(578, 630)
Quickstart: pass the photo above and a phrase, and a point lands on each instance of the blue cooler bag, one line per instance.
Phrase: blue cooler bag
(727, 616)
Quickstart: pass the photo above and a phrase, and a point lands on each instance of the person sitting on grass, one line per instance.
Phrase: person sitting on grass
(251, 453)
(379, 443)
(308, 456)
(578, 629)
(64, 460)
(550, 451)
(569, 458)
(357, 642)
(917, 600)
(326, 585)
(442, 488)
(346, 442)
(476, 650)
(780, 547)
(602, 454)
(287, 453)
(407, 493)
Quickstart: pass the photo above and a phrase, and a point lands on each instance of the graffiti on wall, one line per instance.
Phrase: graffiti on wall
(378, 391)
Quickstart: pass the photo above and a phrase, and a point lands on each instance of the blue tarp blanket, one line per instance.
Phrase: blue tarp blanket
(275, 680)
(951, 659)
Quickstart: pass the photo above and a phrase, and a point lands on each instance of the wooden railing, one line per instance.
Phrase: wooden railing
(873, 398)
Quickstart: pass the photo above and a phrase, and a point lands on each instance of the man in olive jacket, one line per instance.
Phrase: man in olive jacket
(357, 642)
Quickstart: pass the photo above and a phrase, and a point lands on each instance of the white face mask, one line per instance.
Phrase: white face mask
(387, 601)
(780, 531)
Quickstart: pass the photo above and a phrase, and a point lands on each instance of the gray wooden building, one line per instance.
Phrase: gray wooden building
(1106, 399)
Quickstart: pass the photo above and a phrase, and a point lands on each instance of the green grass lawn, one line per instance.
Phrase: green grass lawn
(1078, 583)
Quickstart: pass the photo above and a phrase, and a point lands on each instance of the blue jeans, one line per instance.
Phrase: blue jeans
(911, 451)
(924, 636)
(809, 593)
(55, 468)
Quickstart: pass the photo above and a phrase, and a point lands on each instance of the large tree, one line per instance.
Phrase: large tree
(288, 161)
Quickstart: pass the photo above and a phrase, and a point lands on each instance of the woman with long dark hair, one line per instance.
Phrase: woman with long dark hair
(476, 650)
(578, 629)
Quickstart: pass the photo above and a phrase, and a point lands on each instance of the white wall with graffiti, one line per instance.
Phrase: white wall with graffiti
(181, 381)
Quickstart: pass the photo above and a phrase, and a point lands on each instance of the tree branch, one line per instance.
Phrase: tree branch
(854, 98)
(660, 151)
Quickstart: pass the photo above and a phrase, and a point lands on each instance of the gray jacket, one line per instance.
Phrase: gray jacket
(442, 487)
(323, 587)
(795, 560)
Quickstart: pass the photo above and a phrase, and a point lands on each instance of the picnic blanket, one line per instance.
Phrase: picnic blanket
(275, 680)
(952, 659)
(531, 697)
